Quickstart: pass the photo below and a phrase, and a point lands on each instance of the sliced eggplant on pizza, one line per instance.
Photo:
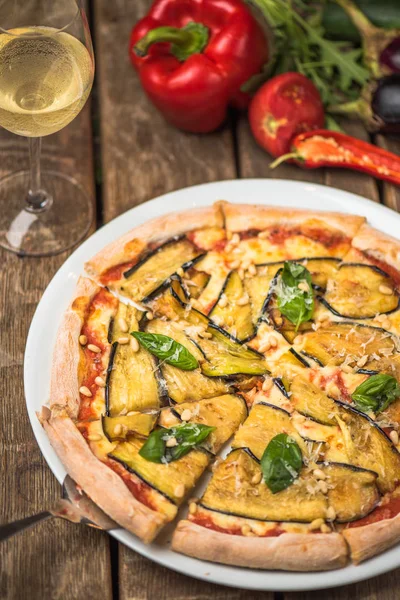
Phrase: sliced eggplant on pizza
(120, 428)
(360, 291)
(148, 276)
(237, 488)
(348, 342)
(225, 413)
(232, 310)
(173, 480)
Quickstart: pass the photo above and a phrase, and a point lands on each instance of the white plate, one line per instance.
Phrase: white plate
(56, 298)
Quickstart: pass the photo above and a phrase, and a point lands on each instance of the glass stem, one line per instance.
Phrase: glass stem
(37, 199)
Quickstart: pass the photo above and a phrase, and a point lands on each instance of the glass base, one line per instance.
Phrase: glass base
(63, 219)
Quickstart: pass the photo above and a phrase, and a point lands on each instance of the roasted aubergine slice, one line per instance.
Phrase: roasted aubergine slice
(225, 413)
(165, 478)
(186, 386)
(232, 310)
(348, 342)
(360, 291)
(236, 488)
(119, 428)
(150, 274)
(133, 381)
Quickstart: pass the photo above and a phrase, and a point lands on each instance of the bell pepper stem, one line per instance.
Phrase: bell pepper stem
(284, 158)
(185, 41)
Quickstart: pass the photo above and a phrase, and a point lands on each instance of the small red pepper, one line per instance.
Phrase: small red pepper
(324, 148)
(193, 56)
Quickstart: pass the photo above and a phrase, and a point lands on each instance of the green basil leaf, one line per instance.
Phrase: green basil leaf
(187, 436)
(376, 393)
(167, 349)
(296, 303)
(281, 462)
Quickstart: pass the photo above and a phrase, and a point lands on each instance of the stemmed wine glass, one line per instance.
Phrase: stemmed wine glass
(46, 74)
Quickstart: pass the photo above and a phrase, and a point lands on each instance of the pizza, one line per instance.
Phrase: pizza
(272, 332)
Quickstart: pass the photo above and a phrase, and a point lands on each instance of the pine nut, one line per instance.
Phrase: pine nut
(252, 270)
(94, 437)
(273, 341)
(298, 339)
(123, 340)
(267, 385)
(134, 345)
(85, 391)
(218, 320)
(94, 348)
(243, 301)
(83, 340)
(192, 508)
(123, 325)
(303, 286)
(325, 528)
(132, 412)
(149, 315)
(319, 474)
(100, 381)
(179, 490)
(346, 369)
(386, 324)
(331, 513)
(255, 480)
(186, 415)
(394, 436)
(235, 239)
(384, 289)
(323, 486)
(246, 529)
(118, 429)
(235, 264)
(171, 442)
(316, 524)
(264, 347)
(241, 273)
(223, 301)
(362, 361)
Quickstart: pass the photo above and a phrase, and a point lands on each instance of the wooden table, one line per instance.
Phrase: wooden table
(123, 153)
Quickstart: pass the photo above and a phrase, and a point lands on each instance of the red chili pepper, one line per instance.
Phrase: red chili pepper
(193, 56)
(324, 148)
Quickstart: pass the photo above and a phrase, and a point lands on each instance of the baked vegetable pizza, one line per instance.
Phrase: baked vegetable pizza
(275, 330)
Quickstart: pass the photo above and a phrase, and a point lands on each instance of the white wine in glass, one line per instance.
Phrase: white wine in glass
(46, 74)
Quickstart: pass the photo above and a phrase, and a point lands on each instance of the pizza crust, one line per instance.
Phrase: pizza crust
(64, 385)
(289, 551)
(379, 245)
(131, 245)
(370, 540)
(99, 482)
(242, 217)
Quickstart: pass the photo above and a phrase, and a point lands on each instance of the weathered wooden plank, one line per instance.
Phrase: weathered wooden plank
(55, 559)
(142, 157)
(391, 193)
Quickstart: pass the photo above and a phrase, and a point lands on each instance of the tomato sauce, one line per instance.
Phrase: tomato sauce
(206, 521)
(139, 489)
(116, 273)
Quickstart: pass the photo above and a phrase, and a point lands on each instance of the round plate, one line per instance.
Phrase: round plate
(56, 298)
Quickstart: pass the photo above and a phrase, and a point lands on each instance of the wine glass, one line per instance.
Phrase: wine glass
(46, 74)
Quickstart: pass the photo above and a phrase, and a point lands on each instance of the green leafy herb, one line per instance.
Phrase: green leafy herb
(336, 68)
(376, 393)
(187, 436)
(295, 294)
(281, 462)
(167, 349)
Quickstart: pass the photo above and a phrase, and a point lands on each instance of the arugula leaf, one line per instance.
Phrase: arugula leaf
(167, 349)
(281, 462)
(376, 393)
(295, 294)
(187, 437)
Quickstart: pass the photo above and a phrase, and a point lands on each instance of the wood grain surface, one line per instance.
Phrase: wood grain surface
(141, 157)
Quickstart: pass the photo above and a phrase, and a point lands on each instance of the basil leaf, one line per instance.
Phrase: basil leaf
(376, 393)
(296, 303)
(187, 436)
(281, 462)
(167, 349)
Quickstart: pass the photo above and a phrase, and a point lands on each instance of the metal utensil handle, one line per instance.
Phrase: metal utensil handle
(10, 529)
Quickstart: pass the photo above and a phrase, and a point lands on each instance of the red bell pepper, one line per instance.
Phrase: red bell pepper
(193, 56)
(324, 148)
